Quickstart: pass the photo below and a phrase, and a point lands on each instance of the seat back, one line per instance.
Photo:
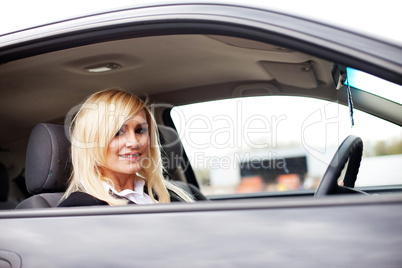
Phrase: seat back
(48, 163)
(172, 149)
(48, 166)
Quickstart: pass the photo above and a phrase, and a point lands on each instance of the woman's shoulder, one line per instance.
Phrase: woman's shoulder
(77, 199)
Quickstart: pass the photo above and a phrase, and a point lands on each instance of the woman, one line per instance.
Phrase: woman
(115, 154)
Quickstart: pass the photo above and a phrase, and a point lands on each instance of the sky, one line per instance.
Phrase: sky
(218, 127)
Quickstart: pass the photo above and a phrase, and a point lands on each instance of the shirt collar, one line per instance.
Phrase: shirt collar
(138, 186)
(137, 196)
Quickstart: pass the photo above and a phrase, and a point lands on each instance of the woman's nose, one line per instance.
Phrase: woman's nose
(132, 141)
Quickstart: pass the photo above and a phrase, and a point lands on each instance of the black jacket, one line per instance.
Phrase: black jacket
(77, 199)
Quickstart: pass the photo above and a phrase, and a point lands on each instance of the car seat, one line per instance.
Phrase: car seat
(48, 163)
(47, 167)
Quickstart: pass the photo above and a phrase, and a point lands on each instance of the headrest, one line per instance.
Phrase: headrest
(172, 150)
(48, 163)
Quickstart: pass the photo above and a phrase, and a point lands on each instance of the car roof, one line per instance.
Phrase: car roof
(350, 15)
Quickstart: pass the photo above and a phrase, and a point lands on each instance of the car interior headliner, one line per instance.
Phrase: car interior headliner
(175, 69)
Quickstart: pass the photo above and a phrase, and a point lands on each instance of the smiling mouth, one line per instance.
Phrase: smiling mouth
(130, 157)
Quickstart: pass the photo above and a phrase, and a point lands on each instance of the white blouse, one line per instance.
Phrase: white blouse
(137, 196)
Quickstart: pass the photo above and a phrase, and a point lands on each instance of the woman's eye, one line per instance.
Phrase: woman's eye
(141, 130)
(120, 132)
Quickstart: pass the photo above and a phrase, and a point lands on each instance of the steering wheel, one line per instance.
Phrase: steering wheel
(352, 149)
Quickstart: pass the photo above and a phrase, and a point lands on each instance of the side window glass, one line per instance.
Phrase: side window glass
(278, 143)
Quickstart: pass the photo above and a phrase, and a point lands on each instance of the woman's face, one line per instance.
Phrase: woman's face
(129, 147)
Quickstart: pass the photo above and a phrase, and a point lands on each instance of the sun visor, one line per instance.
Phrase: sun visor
(292, 74)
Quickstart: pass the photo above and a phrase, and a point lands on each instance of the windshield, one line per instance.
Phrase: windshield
(374, 85)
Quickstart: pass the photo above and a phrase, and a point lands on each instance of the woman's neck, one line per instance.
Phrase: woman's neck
(121, 181)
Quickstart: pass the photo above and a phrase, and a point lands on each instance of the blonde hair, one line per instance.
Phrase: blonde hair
(93, 127)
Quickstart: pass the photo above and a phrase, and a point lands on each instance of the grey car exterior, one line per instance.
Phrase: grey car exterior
(350, 231)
